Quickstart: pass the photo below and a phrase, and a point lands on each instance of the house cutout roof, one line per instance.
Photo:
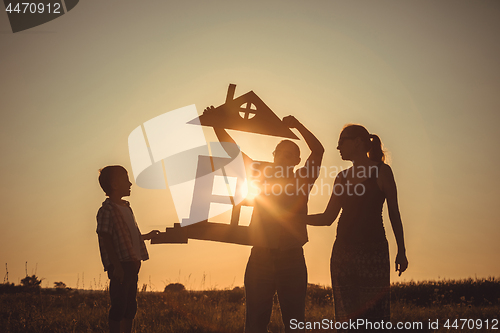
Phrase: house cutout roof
(247, 113)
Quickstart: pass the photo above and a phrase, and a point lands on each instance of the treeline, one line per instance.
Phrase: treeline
(467, 292)
(31, 283)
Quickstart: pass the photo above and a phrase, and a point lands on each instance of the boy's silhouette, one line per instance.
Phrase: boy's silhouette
(276, 263)
(122, 247)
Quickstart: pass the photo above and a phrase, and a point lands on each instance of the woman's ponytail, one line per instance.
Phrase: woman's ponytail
(371, 142)
(376, 153)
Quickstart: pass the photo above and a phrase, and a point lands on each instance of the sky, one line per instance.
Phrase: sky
(424, 76)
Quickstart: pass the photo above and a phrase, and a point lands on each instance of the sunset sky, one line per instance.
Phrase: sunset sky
(424, 76)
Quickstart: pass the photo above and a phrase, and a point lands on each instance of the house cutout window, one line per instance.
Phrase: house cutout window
(220, 213)
(248, 107)
(220, 186)
(245, 216)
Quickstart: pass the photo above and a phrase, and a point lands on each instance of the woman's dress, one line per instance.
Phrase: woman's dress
(360, 257)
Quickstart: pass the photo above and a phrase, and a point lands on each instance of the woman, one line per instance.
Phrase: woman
(360, 257)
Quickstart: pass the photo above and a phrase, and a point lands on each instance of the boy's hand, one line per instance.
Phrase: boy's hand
(291, 122)
(151, 234)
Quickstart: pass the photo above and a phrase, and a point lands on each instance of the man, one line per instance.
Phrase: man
(276, 263)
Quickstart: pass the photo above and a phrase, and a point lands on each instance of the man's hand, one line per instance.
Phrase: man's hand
(291, 122)
(209, 110)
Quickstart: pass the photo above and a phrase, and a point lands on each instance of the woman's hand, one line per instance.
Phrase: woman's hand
(401, 262)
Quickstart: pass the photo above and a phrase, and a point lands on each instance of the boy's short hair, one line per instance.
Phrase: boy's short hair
(106, 175)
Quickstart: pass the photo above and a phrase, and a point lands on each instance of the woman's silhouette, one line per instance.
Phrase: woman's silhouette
(360, 257)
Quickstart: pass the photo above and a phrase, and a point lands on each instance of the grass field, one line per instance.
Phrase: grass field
(61, 310)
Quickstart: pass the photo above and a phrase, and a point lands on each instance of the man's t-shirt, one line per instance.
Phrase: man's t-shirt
(283, 194)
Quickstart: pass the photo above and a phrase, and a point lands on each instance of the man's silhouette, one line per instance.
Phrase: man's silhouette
(276, 263)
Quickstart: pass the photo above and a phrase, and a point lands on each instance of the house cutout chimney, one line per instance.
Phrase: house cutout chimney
(230, 92)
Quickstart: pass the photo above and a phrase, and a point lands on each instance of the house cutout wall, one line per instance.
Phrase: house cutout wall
(213, 189)
(246, 113)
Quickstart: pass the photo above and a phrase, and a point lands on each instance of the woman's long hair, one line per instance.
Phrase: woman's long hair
(371, 142)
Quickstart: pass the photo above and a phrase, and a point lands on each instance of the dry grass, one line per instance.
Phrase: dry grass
(224, 310)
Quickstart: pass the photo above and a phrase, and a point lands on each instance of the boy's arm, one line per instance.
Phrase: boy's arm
(107, 241)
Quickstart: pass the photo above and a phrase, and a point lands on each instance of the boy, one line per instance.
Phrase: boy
(122, 247)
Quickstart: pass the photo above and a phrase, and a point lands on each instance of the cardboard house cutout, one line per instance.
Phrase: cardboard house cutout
(245, 113)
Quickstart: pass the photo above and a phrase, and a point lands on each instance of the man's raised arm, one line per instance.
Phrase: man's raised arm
(313, 143)
(223, 136)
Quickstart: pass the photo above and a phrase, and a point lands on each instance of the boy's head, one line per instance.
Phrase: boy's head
(114, 181)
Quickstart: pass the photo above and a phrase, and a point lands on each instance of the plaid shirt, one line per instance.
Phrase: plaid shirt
(110, 221)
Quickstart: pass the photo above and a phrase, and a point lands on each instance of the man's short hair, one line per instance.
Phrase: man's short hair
(288, 143)
(106, 175)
